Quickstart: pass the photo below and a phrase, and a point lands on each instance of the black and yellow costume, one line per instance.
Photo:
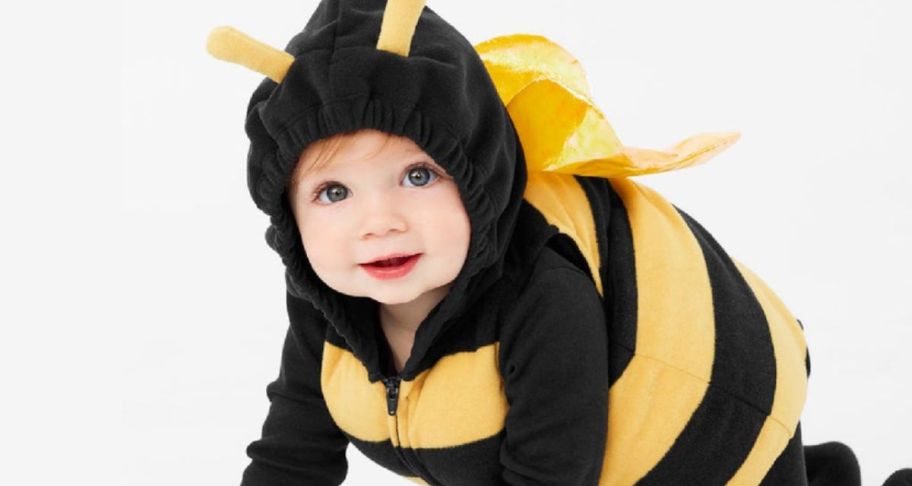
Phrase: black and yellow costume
(596, 334)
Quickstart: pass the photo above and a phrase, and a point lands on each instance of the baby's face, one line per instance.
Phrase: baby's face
(373, 200)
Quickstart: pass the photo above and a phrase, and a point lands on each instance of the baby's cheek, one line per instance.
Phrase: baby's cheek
(321, 243)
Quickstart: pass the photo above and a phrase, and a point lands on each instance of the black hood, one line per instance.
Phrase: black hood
(440, 96)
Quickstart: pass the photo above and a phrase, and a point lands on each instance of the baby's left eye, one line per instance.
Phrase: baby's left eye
(421, 176)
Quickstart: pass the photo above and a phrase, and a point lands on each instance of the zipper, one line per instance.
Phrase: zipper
(392, 394)
(392, 402)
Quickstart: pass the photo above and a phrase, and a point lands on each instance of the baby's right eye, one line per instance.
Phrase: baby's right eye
(335, 192)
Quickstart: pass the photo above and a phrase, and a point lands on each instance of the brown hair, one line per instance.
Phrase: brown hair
(326, 149)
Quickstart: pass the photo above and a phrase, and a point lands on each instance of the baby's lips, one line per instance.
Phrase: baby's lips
(391, 261)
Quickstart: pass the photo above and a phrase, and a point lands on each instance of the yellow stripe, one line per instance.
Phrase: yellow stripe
(564, 204)
(789, 348)
(662, 386)
(459, 400)
(357, 406)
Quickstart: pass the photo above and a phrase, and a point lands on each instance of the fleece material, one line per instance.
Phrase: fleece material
(517, 394)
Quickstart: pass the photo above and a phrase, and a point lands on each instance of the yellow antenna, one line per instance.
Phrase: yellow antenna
(400, 17)
(229, 44)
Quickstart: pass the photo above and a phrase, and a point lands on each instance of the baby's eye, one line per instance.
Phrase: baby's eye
(335, 192)
(417, 176)
(421, 175)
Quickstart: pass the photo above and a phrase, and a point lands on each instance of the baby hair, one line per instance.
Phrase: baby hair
(326, 148)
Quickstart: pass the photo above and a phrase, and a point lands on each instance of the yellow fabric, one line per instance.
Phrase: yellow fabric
(516, 60)
(791, 383)
(664, 383)
(356, 405)
(398, 27)
(229, 44)
(562, 201)
(561, 130)
(463, 389)
(461, 400)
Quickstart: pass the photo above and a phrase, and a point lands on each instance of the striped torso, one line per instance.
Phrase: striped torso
(707, 366)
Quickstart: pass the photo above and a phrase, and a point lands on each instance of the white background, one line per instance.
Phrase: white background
(143, 314)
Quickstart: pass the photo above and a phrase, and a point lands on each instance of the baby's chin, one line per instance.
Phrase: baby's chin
(393, 298)
(386, 293)
(388, 297)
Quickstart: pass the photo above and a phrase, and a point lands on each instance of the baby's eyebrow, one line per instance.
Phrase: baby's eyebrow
(327, 172)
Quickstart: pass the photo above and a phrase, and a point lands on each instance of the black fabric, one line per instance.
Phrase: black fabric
(617, 274)
(555, 367)
(789, 468)
(742, 386)
(554, 362)
(300, 443)
(902, 477)
(440, 96)
(831, 464)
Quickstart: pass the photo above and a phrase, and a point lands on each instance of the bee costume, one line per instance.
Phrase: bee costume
(596, 333)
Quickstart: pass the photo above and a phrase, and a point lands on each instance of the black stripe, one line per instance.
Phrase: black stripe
(565, 246)
(789, 467)
(807, 362)
(807, 353)
(724, 427)
(453, 465)
(712, 446)
(382, 453)
(618, 271)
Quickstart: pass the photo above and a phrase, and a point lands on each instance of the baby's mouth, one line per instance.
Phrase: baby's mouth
(394, 267)
(391, 262)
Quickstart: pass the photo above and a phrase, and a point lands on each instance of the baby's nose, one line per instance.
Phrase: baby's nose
(382, 216)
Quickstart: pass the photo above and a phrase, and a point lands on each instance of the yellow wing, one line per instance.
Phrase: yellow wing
(547, 95)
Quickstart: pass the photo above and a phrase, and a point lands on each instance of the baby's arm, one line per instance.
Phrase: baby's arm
(300, 443)
(554, 359)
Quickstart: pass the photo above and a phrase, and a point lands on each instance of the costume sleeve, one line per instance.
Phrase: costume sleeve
(300, 442)
(554, 360)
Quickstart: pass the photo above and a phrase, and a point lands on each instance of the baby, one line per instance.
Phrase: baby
(477, 294)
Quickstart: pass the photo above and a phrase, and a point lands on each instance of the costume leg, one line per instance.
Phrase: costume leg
(789, 468)
(832, 463)
(903, 477)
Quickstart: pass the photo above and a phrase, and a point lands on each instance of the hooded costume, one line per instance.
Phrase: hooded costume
(596, 333)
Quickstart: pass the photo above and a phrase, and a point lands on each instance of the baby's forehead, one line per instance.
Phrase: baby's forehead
(358, 151)
(333, 161)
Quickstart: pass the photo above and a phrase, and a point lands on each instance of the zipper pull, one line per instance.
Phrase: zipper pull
(392, 394)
